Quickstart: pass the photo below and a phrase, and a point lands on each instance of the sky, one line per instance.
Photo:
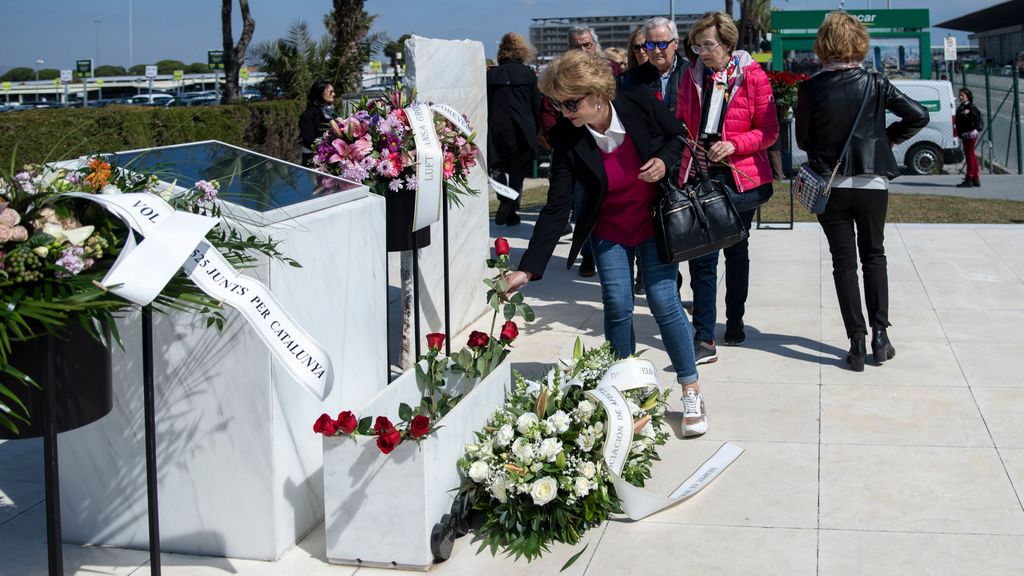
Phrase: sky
(62, 31)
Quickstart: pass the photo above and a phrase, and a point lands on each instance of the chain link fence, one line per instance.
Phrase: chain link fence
(997, 93)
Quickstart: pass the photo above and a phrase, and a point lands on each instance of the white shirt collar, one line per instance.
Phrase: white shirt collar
(614, 136)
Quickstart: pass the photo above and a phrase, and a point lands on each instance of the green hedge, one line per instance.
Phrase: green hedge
(42, 135)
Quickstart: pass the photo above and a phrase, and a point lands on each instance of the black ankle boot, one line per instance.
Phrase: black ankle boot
(855, 358)
(881, 348)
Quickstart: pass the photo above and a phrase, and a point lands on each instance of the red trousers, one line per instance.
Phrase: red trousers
(972, 159)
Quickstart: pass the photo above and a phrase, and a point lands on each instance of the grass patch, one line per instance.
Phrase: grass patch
(905, 208)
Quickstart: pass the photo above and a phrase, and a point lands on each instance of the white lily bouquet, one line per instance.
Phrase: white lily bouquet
(537, 473)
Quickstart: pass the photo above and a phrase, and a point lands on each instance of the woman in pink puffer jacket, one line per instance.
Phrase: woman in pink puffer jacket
(726, 103)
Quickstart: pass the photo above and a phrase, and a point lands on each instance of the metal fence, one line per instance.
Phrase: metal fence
(997, 93)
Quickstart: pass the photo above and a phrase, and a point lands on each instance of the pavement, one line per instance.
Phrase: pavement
(913, 467)
(993, 186)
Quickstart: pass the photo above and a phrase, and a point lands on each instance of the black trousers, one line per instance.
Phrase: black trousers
(854, 223)
(516, 167)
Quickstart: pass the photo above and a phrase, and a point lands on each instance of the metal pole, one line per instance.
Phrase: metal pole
(447, 285)
(150, 425)
(988, 125)
(51, 470)
(387, 313)
(416, 297)
(1016, 120)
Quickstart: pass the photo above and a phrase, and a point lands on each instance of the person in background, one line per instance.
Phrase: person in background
(854, 218)
(968, 125)
(726, 103)
(637, 53)
(513, 106)
(616, 147)
(316, 118)
(615, 54)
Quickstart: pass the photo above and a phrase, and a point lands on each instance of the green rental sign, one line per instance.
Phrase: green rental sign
(83, 68)
(215, 59)
(916, 19)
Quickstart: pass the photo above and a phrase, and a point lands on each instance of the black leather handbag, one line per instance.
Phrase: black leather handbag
(694, 220)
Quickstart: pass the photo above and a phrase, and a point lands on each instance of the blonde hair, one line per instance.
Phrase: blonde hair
(615, 54)
(632, 61)
(577, 73)
(722, 23)
(841, 38)
(514, 47)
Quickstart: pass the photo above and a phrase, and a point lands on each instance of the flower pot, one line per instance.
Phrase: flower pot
(401, 210)
(380, 508)
(82, 377)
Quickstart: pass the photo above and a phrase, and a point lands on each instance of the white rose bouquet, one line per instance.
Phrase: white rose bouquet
(536, 473)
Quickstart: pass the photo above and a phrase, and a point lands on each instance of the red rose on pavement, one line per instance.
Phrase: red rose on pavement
(324, 425)
(435, 341)
(500, 246)
(509, 331)
(383, 425)
(389, 440)
(347, 422)
(419, 426)
(478, 339)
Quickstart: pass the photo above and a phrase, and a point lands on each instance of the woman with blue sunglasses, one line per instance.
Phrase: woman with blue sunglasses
(616, 146)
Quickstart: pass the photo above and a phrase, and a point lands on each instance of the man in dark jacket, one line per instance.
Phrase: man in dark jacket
(665, 63)
(513, 105)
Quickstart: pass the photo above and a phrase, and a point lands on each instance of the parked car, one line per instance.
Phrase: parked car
(936, 144)
(155, 99)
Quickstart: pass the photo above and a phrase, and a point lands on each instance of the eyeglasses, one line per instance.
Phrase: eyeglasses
(704, 48)
(662, 45)
(568, 105)
(638, 47)
(583, 46)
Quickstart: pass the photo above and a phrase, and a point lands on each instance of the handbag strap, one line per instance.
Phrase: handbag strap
(856, 121)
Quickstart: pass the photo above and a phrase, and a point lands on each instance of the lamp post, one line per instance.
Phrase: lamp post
(39, 62)
(97, 61)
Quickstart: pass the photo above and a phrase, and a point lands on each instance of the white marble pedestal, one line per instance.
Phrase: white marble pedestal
(240, 469)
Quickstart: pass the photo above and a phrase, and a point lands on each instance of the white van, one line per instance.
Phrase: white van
(154, 99)
(935, 144)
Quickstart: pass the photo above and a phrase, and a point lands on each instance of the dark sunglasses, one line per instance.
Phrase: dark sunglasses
(660, 45)
(583, 46)
(638, 47)
(568, 105)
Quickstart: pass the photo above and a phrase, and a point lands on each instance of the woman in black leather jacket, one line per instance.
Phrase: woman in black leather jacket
(854, 220)
(316, 118)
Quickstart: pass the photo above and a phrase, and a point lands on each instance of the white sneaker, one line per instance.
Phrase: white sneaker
(695, 420)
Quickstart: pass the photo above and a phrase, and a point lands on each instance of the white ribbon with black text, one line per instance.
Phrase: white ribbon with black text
(174, 239)
(453, 116)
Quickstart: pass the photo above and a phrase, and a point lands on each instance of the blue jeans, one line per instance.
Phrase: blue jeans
(614, 264)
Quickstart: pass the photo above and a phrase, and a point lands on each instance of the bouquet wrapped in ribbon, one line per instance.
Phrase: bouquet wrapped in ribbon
(65, 233)
(380, 146)
(784, 89)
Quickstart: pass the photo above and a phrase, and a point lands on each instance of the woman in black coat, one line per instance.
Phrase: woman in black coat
(854, 219)
(513, 109)
(615, 147)
(968, 125)
(316, 118)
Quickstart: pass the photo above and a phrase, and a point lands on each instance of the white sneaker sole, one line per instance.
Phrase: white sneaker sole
(695, 429)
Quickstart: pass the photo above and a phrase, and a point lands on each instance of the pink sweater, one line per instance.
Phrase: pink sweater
(750, 122)
(625, 217)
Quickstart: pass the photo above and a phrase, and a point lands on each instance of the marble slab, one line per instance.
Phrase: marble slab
(240, 469)
(451, 72)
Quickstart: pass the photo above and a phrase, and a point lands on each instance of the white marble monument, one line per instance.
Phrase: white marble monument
(240, 469)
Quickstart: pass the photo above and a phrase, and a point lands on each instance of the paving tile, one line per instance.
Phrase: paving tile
(782, 293)
(740, 496)
(901, 415)
(907, 325)
(750, 411)
(794, 360)
(631, 548)
(22, 460)
(976, 295)
(986, 326)
(18, 497)
(778, 322)
(915, 364)
(1013, 458)
(972, 271)
(990, 364)
(927, 489)
(1003, 411)
(846, 553)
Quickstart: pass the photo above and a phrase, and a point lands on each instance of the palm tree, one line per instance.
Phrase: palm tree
(234, 54)
(294, 62)
(755, 22)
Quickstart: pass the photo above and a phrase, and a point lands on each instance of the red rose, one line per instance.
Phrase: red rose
(383, 425)
(324, 425)
(347, 422)
(419, 426)
(509, 331)
(435, 341)
(500, 246)
(478, 339)
(389, 440)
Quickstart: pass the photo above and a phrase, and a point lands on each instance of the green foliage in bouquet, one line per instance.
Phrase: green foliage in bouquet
(536, 473)
(55, 250)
